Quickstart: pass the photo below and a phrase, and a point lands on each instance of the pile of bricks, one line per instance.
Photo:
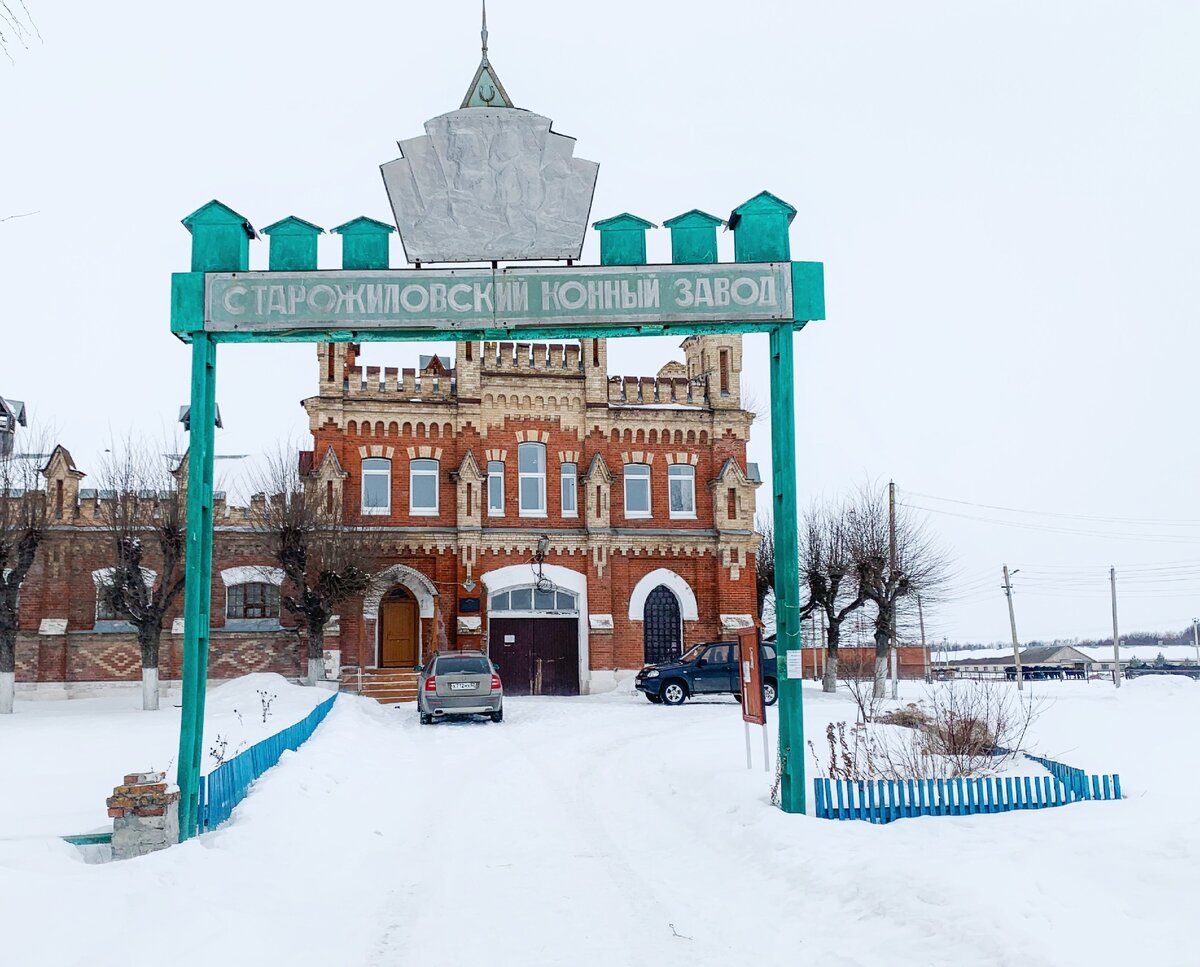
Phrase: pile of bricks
(145, 815)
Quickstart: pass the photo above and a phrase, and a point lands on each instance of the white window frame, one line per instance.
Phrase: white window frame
(537, 475)
(413, 473)
(569, 484)
(626, 477)
(681, 471)
(375, 472)
(494, 510)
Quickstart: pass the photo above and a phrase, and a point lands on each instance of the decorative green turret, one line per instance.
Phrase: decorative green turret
(693, 237)
(293, 245)
(364, 243)
(760, 229)
(220, 238)
(623, 239)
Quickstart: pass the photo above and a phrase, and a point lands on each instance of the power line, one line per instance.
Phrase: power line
(1165, 521)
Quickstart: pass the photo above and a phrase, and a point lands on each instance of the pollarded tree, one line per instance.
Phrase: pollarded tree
(23, 516)
(325, 558)
(143, 515)
(895, 561)
(829, 577)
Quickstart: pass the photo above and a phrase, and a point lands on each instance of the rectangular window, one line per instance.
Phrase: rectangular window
(423, 488)
(570, 507)
(252, 601)
(329, 496)
(531, 482)
(637, 490)
(470, 499)
(376, 486)
(731, 504)
(104, 609)
(681, 482)
(58, 498)
(495, 487)
(724, 372)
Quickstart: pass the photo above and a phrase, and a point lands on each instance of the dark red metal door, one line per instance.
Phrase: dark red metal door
(536, 656)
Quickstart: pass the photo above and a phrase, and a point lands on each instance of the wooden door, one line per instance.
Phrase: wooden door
(398, 634)
(536, 656)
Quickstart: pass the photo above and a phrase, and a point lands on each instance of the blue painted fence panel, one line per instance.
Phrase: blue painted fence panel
(228, 783)
(883, 801)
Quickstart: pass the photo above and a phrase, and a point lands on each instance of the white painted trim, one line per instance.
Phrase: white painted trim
(416, 582)
(252, 574)
(665, 576)
(104, 575)
(522, 575)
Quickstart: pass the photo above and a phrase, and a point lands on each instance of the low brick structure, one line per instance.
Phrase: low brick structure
(145, 815)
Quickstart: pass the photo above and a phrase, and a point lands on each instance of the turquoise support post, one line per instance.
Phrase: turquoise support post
(623, 239)
(760, 234)
(220, 243)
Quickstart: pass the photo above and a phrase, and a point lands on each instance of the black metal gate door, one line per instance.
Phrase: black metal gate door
(662, 626)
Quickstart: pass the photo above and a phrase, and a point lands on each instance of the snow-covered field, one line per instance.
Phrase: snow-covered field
(606, 831)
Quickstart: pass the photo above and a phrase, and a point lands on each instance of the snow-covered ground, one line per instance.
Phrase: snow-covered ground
(604, 831)
(72, 752)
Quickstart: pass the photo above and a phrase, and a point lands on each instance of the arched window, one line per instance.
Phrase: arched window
(495, 485)
(531, 484)
(423, 488)
(526, 600)
(637, 490)
(250, 601)
(681, 486)
(376, 486)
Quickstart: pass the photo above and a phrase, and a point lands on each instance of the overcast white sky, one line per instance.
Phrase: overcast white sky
(1005, 197)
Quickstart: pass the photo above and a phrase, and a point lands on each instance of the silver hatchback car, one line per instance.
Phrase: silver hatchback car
(459, 683)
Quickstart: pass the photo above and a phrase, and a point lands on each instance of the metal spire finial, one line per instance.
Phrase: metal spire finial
(483, 32)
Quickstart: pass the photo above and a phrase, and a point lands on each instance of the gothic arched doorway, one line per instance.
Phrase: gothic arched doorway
(399, 630)
(662, 625)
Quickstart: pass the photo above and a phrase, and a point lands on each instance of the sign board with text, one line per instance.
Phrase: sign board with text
(483, 298)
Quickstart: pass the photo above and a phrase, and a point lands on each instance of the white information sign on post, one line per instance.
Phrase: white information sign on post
(795, 664)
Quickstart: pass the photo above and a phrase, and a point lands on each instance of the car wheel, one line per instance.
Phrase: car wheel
(769, 694)
(498, 716)
(674, 692)
(654, 699)
(426, 719)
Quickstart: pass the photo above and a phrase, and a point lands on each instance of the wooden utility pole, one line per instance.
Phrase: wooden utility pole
(924, 650)
(1012, 621)
(1112, 578)
(892, 567)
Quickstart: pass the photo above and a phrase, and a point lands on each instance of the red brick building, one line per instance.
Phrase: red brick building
(638, 487)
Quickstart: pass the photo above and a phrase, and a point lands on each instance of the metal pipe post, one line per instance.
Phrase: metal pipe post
(198, 580)
(787, 567)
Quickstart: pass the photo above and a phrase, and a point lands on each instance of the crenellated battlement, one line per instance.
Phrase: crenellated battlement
(556, 359)
(372, 382)
(650, 391)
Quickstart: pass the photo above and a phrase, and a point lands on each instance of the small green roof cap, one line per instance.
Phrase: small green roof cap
(363, 226)
(217, 213)
(763, 202)
(292, 225)
(624, 220)
(693, 219)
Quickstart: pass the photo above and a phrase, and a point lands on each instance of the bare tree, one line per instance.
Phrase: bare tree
(17, 26)
(143, 515)
(325, 558)
(892, 570)
(23, 515)
(828, 576)
(764, 563)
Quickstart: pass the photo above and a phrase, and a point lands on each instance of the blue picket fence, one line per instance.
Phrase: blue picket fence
(228, 783)
(883, 800)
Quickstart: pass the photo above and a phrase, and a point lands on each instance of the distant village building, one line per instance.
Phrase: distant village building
(12, 415)
(458, 467)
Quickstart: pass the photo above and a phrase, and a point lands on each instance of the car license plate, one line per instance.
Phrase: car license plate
(463, 686)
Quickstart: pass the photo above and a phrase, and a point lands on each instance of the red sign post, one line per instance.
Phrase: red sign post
(750, 678)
